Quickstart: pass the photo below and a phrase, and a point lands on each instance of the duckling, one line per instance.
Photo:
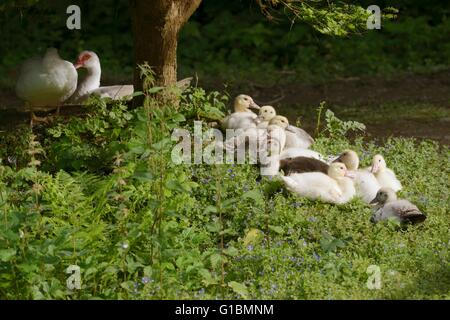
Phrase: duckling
(385, 176)
(334, 187)
(366, 184)
(297, 138)
(266, 113)
(276, 132)
(302, 164)
(276, 139)
(243, 117)
(388, 206)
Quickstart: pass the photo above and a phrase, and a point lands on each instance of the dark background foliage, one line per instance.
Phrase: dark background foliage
(232, 40)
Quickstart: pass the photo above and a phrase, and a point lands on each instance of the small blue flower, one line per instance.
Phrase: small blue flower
(232, 176)
(250, 247)
(230, 170)
(296, 204)
(146, 280)
(312, 219)
(316, 256)
(201, 291)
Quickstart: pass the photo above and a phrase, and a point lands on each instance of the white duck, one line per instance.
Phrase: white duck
(385, 176)
(388, 206)
(366, 184)
(333, 188)
(90, 85)
(242, 117)
(46, 82)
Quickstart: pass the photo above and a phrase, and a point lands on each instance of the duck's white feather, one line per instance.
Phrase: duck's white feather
(47, 81)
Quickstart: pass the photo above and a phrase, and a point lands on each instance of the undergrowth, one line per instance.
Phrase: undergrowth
(100, 192)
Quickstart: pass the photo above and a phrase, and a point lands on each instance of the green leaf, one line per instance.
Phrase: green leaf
(215, 259)
(231, 251)
(276, 229)
(7, 254)
(239, 288)
(254, 195)
(155, 89)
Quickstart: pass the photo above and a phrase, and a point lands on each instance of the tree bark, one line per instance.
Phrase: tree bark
(156, 24)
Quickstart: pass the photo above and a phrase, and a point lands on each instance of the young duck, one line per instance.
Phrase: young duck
(243, 117)
(276, 132)
(333, 187)
(388, 206)
(385, 176)
(366, 184)
(276, 139)
(266, 113)
(302, 164)
(297, 138)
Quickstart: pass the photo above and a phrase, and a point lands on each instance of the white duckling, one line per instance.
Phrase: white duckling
(266, 113)
(334, 187)
(242, 117)
(276, 140)
(276, 132)
(366, 184)
(385, 176)
(388, 206)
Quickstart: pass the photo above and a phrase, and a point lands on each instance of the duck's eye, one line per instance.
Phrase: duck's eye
(379, 160)
(265, 111)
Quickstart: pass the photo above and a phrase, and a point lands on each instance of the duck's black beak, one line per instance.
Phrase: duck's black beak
(374, 201)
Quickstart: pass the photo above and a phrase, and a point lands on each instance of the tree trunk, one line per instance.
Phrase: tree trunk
(156, 24)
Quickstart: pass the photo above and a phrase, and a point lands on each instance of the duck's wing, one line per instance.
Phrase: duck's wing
(406, 211)
(302, 134)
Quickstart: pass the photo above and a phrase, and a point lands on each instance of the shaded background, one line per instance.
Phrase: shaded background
(401, 70)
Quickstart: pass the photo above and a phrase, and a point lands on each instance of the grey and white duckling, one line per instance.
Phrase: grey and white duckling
(297, 138)
(388, 206)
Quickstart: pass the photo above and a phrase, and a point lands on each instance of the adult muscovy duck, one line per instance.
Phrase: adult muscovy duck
(46, 82)
(90, 85)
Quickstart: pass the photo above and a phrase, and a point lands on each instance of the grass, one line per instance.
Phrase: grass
(106, 197)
